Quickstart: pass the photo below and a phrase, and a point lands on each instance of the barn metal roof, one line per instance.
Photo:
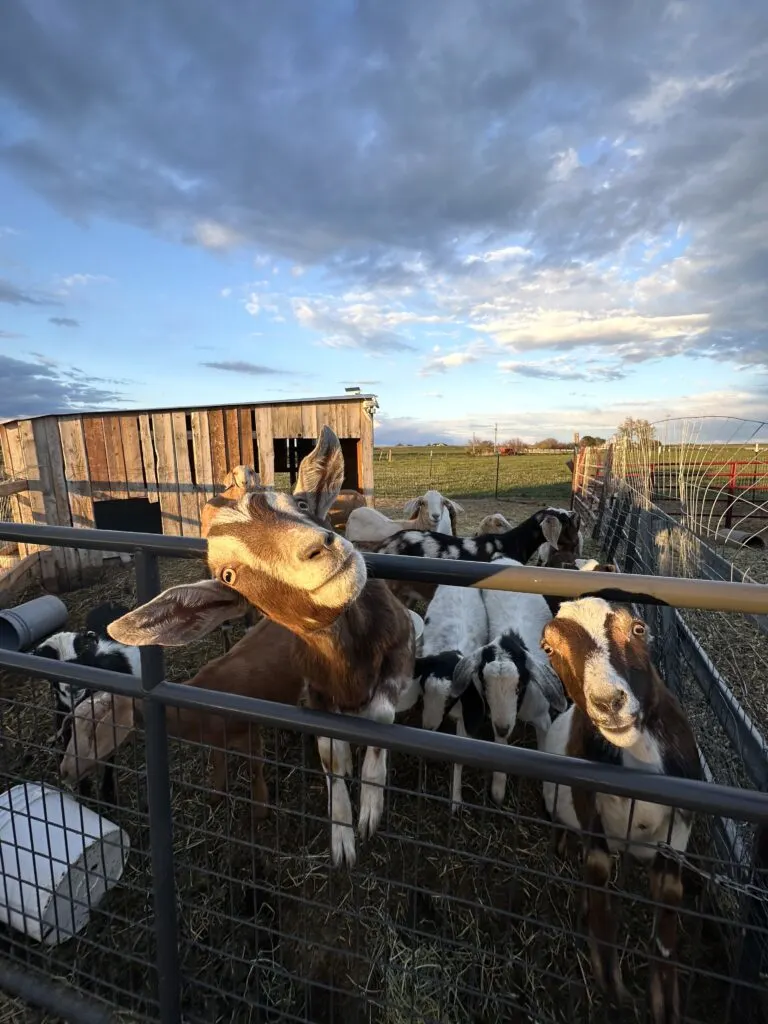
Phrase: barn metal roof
(316, 400)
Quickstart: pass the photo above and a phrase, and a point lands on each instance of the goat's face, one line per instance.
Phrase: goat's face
(268, 550)
(244, 477)
(495, 523)
(601, 654)
(561, 528)
(429, 507)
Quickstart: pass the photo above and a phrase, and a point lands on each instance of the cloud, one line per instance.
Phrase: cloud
(441, 364)
(534, 425)
(42, 387)
(11, 334)
(555, 369)
(225, 293)
(362, 383)
(63, 321)
(216, 236)
(358, 324)
(485, 165)
(240, 366)
(16, 296)
(80, 280)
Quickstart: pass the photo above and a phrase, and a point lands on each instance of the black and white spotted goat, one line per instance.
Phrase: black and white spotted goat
(622, 714)
(501, 672)
(93, 647)
(557, 527)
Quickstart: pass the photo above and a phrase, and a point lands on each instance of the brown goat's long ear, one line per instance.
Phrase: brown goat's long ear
(179, 615)
(321, 474)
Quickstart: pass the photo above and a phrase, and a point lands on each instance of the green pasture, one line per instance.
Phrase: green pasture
(456, 473)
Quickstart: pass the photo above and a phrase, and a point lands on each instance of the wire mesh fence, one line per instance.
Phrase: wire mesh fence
(447, 917)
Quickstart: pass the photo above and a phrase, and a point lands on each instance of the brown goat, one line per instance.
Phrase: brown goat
(237, 483)
(355, 641)
(622, 713)
(261, 665)
(347, 501)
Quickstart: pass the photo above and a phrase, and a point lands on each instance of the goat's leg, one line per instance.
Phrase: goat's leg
(336, 758)
(601, 919)
(456, 801)
(501, 733)
(374, 772)
(666, 890)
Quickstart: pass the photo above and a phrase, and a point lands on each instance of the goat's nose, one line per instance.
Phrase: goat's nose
(319, 544)
(613, 704)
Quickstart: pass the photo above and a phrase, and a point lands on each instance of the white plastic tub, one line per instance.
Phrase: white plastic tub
(418, 625)
(57, 860)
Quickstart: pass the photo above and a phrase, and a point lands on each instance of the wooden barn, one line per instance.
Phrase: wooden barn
(153, 470)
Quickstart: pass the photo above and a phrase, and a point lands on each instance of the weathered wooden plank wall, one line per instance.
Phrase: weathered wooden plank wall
(79, 488)
(179, 459)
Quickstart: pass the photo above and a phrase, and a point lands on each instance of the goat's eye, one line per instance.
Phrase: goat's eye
(229, 576)
(302, 505)
(547, 648)
(639, 628)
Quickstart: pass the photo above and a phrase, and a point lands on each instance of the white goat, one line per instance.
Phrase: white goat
(430, 511)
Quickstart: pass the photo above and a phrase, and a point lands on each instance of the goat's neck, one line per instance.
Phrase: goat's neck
(341, 663)
(644, 751)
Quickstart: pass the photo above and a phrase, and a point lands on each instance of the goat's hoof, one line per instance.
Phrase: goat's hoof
(605, 963)
(457, 807)
(259, 810)
(343, 845)
(371, 809)
(664, 994)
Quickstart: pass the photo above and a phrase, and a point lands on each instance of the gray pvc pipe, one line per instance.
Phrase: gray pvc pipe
(21, 627)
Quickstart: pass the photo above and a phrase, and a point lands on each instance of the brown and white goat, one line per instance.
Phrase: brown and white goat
(430, 511)
(260, 665)
(494, 523)
(237, 483)
(356, 641)
(346, 503)
(622, 714)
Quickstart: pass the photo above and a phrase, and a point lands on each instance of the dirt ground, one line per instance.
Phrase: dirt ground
(446, 918)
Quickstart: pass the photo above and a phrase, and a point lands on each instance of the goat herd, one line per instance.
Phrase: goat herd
(347, 643)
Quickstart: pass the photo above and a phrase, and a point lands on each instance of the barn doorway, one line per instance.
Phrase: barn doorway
(136, 515)
(289, 451)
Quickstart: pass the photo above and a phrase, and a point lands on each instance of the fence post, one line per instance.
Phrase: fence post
(630, 557)
(160, 812)
(731, 494)
(496, 486)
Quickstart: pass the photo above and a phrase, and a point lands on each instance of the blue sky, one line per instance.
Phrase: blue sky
(507, 219)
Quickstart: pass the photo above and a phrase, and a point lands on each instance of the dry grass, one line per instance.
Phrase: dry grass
(444, 919)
